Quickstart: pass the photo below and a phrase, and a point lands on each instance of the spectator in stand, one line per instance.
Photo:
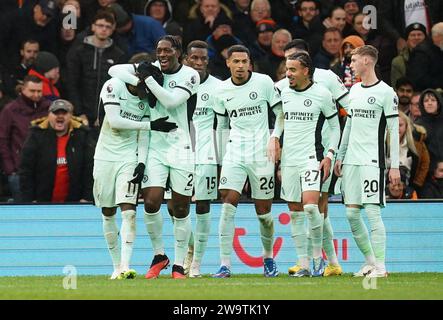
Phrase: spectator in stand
(217, 65)
(337, 19)
(265, 32)
(430, 104)
(308, 25)
(67, 39)
(404, 89)
(243, 26)
(88, 64)
(38, 22)
(15, 119)
(270, 63)
(433, 189)
(222, 26)
(13, 78)
(73, 6)
(283, 12)
(56, 162)
(329, 53)
(415, 34)
(260, 9)
(425, 67)
(351, 7)
(359, 26)
(201, 20)
(386, 48)
(93, 6)
(4, 98)
(161, 10)
(401, 190)
(140, 33)
(394, 16)
(343, 67)
(414, 156)
(47, 68)
(414, 109)
(181, 10)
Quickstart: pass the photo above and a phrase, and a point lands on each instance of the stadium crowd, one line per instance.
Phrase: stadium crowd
(61, 50)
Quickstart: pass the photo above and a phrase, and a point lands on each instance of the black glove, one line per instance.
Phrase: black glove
(162, 125)
(138, 174)
(152, 100)
(143, 91)
(146, 69)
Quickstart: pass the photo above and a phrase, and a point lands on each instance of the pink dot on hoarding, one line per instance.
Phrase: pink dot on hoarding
(284, 218)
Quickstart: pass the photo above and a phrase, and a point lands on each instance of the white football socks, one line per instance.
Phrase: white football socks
(110, 231)
(127, 233)
(226, 231)
(154, 227)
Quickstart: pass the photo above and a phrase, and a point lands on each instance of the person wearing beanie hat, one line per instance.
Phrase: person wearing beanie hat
(221, 26)
(269, 63)
(47, 68)
(217, 63)
(343, 67)
(220, 21)
(223, 43)
(415, 27)
(265, 25)
(414, 35)
(122, 18)
(45, 62)
(264, 29)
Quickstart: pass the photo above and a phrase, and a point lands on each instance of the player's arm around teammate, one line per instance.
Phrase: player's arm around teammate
(165, 151)
(115, 164)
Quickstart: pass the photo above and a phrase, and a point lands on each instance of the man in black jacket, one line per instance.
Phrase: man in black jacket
(425, 68)
(394, 17)
(88, 64)
(56, 160)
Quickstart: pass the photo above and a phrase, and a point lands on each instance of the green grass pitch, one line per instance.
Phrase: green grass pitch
(239, 287)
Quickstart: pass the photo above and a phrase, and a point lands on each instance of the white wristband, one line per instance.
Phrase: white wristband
(330, 155)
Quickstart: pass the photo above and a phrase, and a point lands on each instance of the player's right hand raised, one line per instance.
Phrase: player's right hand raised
(163, 125)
